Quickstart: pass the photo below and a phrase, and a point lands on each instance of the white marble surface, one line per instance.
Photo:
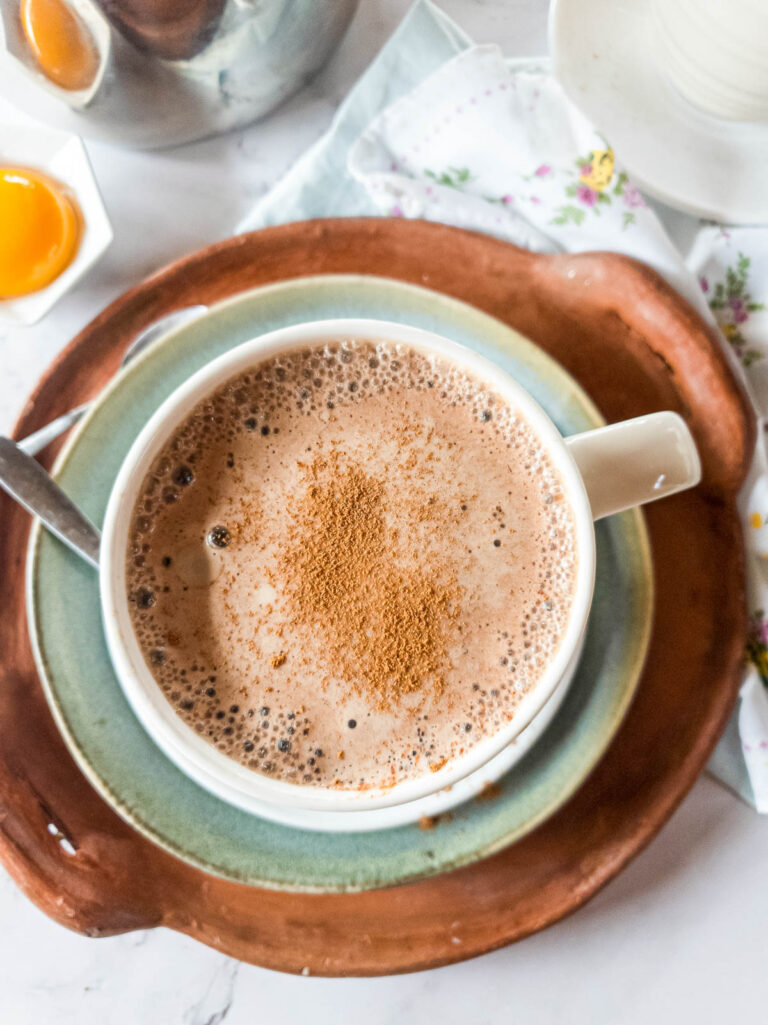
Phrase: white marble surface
(679, 937)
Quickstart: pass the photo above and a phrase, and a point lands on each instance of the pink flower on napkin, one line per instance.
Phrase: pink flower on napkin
(586, 195)
(632, 196)
(739, 309)
(543, 171)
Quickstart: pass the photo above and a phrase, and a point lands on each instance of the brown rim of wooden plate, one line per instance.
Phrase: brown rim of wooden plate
(635, 346)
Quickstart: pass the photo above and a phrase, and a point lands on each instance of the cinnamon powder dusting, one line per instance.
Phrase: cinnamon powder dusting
(387, 627)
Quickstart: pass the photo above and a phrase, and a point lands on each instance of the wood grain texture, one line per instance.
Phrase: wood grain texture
(636, 347)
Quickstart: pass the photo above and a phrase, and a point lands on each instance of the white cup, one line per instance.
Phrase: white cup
(602, 471)
(715, 52)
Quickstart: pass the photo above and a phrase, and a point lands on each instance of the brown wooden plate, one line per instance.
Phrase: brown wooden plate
(635, 346)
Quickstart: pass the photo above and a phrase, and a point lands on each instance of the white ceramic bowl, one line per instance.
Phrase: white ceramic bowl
(254, 791)
(62, 156)
(611, 62)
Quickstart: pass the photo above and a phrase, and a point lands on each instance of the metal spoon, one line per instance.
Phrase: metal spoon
(25, 480)
(33, 487)
(36, 442)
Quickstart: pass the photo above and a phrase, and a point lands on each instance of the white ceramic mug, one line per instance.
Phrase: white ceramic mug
(603, 471)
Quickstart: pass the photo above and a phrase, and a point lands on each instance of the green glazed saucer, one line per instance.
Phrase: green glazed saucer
(147, 790)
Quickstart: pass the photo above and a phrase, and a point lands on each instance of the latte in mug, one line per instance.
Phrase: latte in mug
(349, 564)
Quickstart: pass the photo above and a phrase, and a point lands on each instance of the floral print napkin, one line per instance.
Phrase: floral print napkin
(731, 267)
(438, 128)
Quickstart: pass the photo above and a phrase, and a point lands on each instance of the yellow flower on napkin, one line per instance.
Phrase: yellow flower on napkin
(598, 172)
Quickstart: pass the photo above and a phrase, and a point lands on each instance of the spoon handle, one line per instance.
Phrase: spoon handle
(25, 480)
(36, 442)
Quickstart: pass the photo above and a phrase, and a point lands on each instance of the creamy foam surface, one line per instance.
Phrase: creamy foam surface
(348, 565)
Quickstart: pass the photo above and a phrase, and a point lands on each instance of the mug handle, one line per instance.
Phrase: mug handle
(635, 461)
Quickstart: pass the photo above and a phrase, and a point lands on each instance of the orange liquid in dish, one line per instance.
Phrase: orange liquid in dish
(39, 231)
(62, 45)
